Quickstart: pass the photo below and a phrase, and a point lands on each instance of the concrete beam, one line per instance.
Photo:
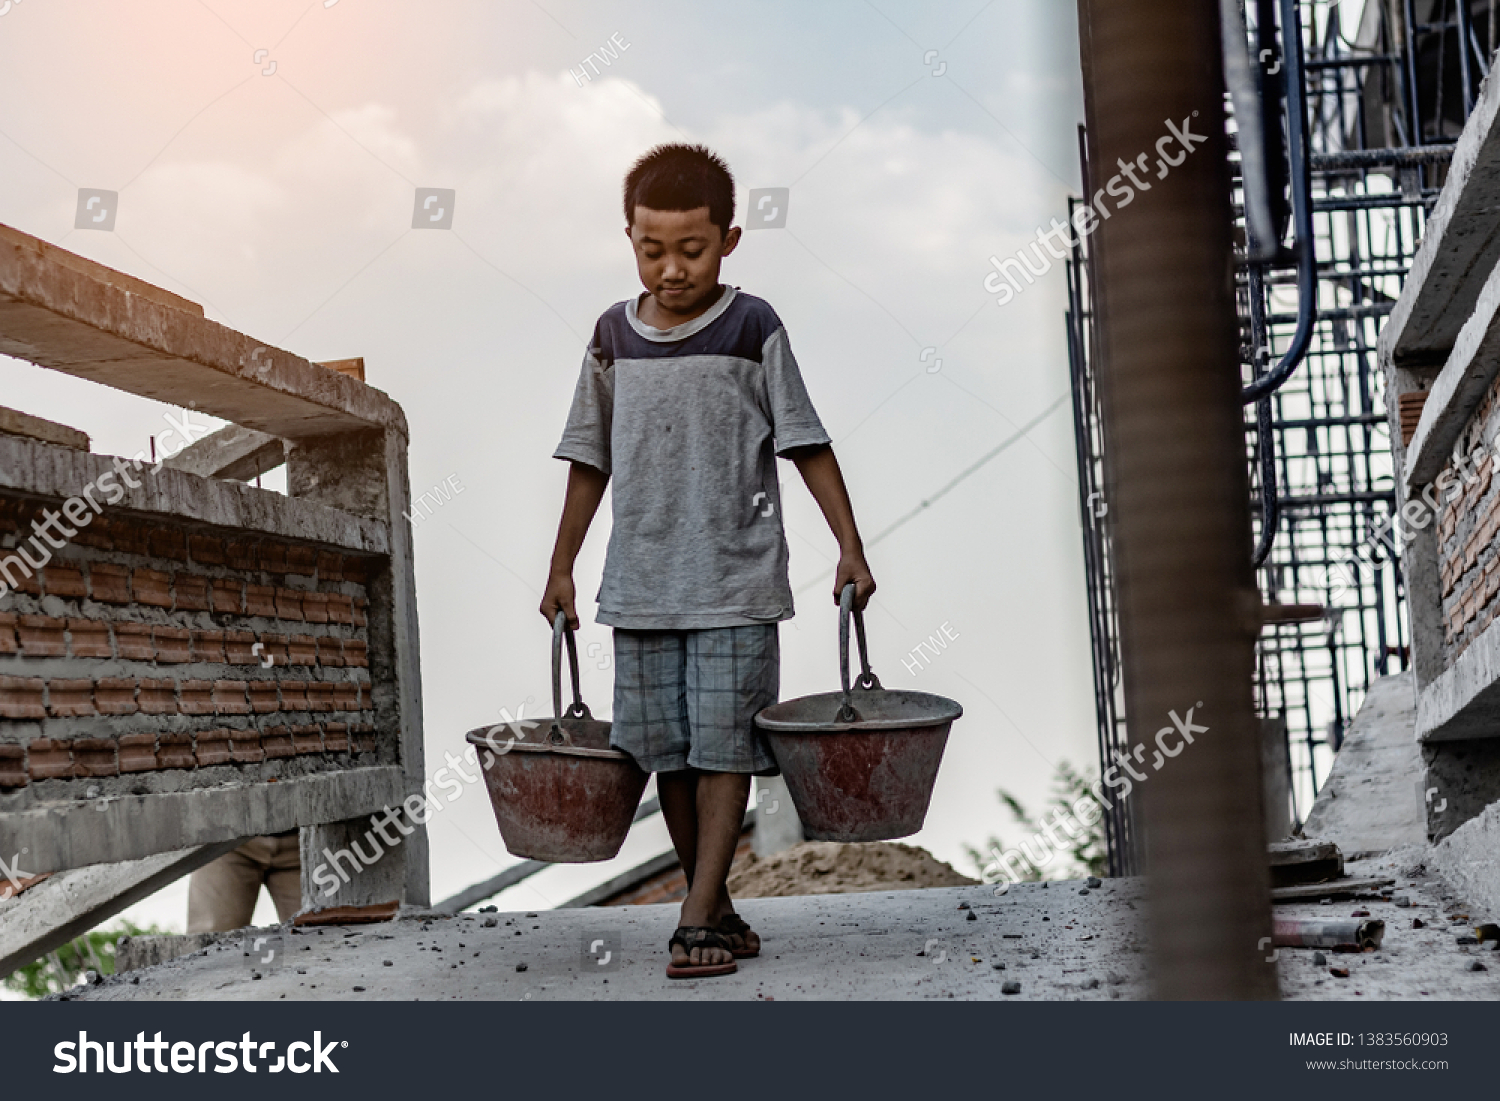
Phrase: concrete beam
(70, 904)
(235, 453)
(1469, 860)
(43, 470)
(13, 422)
(1463, 701)
(55, 836)
(1458, 389)
(1460, 246)
(62, 312)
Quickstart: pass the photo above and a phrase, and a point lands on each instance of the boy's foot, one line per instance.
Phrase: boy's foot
(744, 941)
(699, 952)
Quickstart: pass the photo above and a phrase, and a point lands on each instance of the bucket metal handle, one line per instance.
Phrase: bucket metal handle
(866, 679)
(558, 735)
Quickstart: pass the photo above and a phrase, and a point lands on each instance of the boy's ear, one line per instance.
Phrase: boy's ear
(731, 239)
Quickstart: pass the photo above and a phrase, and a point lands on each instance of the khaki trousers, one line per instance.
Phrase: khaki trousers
(222, 895)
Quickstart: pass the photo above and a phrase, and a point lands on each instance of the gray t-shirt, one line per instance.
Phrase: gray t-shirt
(688, 422)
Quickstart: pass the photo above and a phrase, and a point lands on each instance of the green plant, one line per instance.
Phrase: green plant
(1085, 854)
(60, 969)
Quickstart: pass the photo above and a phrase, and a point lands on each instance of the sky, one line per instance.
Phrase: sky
(267, 157)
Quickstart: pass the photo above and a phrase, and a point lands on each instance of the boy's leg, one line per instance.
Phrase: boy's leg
(678, 793)
(720, 813)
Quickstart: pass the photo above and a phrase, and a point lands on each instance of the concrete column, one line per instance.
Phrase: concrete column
(1174, 430)
(365, 473)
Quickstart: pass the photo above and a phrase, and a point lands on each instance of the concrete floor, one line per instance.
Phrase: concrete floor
(1057, 943)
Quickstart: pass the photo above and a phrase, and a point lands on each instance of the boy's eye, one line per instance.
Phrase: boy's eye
(693, 255)
(651, 254)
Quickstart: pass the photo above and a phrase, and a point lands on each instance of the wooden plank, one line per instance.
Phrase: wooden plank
(1342, 888)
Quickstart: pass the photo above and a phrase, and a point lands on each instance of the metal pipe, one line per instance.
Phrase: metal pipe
(1169, 380)
(1302, 218)
(1465, 33)
(1409, 48)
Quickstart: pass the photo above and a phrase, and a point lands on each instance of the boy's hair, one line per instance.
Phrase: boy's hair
(681, 177)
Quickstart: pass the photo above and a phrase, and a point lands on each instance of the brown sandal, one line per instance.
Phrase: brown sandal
(732, 925)
(699, 936)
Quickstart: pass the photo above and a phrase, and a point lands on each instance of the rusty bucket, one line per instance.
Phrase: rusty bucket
(860, 764)
(565, 797)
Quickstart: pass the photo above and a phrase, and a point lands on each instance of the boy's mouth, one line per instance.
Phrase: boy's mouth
(673, 293)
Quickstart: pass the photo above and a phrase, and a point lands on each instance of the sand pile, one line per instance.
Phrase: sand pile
(830, 868)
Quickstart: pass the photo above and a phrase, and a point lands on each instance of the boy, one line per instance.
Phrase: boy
(682, 393)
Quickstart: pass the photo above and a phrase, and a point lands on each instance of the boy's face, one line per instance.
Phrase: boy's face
(678, 253)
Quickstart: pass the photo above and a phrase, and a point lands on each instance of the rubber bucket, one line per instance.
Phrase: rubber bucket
(564, 797)
(860, 764)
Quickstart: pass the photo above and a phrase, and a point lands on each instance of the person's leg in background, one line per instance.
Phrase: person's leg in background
(222, 894)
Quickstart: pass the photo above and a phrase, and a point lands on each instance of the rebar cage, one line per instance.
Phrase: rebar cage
(1385, 99)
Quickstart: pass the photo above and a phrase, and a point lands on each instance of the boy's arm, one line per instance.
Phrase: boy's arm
(820, 470)
(585, 491)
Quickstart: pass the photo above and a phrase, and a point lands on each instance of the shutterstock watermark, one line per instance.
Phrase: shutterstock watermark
(434, 499)
(1122, 187)
(1042, 847)
(52, 534)
(343, 865)
(608, 54)
(937, 642)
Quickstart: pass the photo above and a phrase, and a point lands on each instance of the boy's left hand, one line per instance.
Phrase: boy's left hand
(853, 567)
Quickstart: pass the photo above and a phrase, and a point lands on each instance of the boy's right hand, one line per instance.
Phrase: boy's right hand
(559, 595)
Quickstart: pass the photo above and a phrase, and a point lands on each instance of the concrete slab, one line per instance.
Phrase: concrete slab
(1369, 803)
(13, 422)
(235, 453)
(1460, 245)
(63, 312)
(1469, 859)
(1463, 701)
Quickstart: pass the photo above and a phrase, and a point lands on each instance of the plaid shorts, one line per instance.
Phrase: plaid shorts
(688, 699)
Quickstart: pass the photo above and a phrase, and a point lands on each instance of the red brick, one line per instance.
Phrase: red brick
(357, 570)
(209, 646)
(273, 647)
(242, 556)
(340, 609)
(330, 653)
(346, 697)
(129, 536)
(239, 648)
(95, 535)
(273, 557)
(228, 596)
(138, 753)
(315, 607)
(302, 561)
(90, 638)
(8, 507)
(360, 607)
(70, 699)
(115, 696)
(197, 697)
(263, 697)
(356, 653)
(65, 582)
(110, 584)
(48, 759)
(260, 600)
(168, 543)
(277, 742)
(293, 695)
(288, 604)
(191, 591)
(95, 757)
(229, 698)
(158, 697)
(206, 550)
(19, 572)
(302, 650)
(330, 567)
(8, 643)
(212, 748)
(176, 751)
(42, 636)
(362, 738)
(134, 642)
(13, 766)
(245, 747)
(152, 588)
(172, 645)
(320, 696)
(336, 737)
(307, 739)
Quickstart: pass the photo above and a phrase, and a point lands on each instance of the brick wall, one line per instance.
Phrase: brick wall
(136, 660)
(1468, 564)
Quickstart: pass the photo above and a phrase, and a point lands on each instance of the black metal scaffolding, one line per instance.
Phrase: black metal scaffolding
(1384, 100)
